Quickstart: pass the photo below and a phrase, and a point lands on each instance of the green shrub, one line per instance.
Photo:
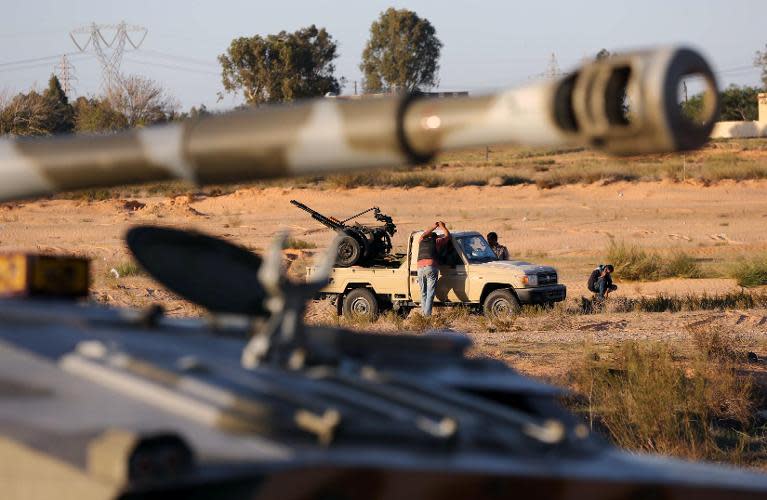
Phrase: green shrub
(750, 272)
(691, 302)
(646, 400)
(298, 244)
(127, 268)
(632, 263)
(682, 265)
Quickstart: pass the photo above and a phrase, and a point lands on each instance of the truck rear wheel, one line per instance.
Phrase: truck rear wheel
(501, 305)
(349, 251)
(361, 303)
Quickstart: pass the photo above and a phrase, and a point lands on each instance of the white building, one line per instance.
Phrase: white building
(745, 129)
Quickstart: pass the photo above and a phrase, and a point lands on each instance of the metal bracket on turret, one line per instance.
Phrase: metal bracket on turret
(284, 341)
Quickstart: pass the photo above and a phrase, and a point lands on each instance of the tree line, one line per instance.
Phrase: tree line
(133, 102)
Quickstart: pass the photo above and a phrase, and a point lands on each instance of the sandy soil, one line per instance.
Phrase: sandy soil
(568, 227)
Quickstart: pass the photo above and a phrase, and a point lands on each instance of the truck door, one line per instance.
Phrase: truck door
(452, 283)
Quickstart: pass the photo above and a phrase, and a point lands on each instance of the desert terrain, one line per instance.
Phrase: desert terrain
(696, 344)
(568, 226)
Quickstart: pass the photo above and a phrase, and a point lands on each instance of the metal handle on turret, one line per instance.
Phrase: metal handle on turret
(625, 104)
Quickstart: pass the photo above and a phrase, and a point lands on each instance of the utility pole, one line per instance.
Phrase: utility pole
(553, 71)
(684, 156)
(65, 73)
(108, 42)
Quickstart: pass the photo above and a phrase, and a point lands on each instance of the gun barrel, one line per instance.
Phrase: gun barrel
(325, 221)
(588, 108)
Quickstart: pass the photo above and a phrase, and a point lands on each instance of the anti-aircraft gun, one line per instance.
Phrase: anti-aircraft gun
(252, 403)
(359, 243)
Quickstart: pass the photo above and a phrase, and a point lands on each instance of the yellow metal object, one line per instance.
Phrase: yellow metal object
(43, 275)
(13, 274)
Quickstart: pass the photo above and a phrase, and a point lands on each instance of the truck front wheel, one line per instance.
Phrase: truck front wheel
(501, 305)
(361, 303)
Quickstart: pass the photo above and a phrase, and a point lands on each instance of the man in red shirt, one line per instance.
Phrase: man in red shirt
(428, 271)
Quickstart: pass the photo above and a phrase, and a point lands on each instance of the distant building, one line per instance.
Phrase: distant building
(744, 129)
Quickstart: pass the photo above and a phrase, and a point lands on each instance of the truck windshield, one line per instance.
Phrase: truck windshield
(476, 249)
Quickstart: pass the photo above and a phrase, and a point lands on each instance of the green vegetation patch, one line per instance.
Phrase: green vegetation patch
(648, 397)
(750, 272)
(298, 244)
(633, 263)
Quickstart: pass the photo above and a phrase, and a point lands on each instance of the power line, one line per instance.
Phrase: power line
(28, 66)
(186, 59)
(37, 59)
(173, 66)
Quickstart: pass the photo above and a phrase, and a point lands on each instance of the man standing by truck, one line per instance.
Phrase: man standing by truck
(428, 261)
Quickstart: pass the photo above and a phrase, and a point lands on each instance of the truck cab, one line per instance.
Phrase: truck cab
(469, 275)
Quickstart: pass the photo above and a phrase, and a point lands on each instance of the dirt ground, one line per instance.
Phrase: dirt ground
(568, 227)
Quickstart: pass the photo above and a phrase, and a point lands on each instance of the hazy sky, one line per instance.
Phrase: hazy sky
(487, 44)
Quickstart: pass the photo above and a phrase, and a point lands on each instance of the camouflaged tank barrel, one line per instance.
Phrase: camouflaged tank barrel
(624, 104)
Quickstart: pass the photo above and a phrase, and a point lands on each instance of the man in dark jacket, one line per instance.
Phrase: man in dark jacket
(601, 281)
(430, 245)
(500, 251)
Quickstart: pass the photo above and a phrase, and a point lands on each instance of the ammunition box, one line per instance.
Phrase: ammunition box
(30, 275)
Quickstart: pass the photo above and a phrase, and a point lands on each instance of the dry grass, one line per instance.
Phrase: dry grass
(419, 323)
(649, 398)
(298, 244)
(633, 263)
(505, 166)
(691, 302)
(125, 269)
(750, 272)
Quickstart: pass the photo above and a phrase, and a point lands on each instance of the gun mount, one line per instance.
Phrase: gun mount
(359, 243)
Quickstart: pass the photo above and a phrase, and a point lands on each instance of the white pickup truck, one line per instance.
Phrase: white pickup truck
(469, 275)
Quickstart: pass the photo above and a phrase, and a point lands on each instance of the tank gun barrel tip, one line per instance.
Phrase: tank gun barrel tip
(631, 103)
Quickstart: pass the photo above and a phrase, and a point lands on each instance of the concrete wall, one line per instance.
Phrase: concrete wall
(740, 130)
(743, 130)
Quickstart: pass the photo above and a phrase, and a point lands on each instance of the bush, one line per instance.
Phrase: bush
(691, 302)
(682, 265)
(632, 263)
(646, 400)
(127, 268)
(635, 264)
(298, 244)
(750, 272)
